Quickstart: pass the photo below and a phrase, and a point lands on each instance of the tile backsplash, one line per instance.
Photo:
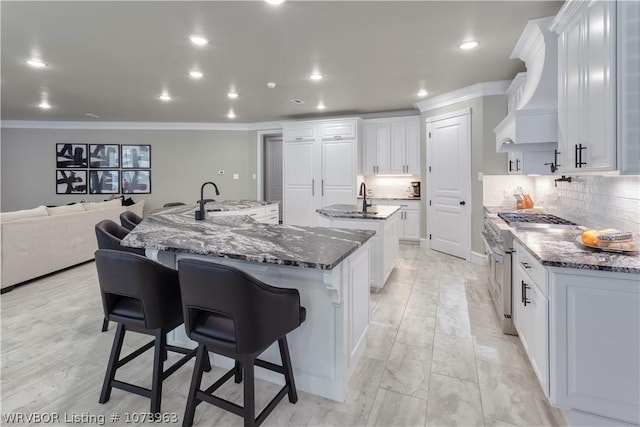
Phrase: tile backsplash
(598, 201)
(592, 201)
(389, 186)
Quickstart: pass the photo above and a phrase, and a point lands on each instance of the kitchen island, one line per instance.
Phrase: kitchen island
(329, 267)
(384, 220)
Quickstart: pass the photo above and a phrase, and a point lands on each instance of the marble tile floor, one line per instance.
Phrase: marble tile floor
(435, 356)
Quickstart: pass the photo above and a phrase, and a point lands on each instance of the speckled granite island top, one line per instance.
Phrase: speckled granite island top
(559, 248)
(240, 237)
(234, 205)
(355, 211)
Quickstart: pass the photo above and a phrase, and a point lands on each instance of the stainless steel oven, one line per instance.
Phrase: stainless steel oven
(498, 244)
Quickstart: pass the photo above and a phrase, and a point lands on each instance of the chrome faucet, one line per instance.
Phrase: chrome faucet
(363, 193)
(200, 213)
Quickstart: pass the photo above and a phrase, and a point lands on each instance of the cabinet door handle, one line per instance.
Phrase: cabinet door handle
(579, 162)
(510, 165)
(298, 138)
(525, 265)
(313, 187)
(525, 300)
(322, 188)
(517, 165)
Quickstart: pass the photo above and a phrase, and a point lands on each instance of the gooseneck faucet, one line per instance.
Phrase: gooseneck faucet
(200, 214)
(363, 193)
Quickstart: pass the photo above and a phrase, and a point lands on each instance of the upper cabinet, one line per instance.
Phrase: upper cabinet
(598, 67)
(391, 146)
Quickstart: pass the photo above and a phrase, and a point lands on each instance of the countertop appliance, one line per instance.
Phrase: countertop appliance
(415, 189)
(499, 244)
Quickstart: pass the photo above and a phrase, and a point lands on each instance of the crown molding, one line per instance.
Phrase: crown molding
(566, 13)
(466, 93)
(37, 124)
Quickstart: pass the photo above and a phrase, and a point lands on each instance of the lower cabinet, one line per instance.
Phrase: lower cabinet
(581, 332)
(531, 311)
(595, 345)
(409, 221)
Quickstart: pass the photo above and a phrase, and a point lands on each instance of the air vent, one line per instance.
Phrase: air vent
(296, 101)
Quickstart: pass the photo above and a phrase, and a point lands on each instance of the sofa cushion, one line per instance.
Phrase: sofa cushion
(23, 214)
(103, 205)
(58, 210)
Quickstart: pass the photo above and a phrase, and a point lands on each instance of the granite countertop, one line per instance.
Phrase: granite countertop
(558, 247)
(356, 212)
(235, 205)
(240, 237)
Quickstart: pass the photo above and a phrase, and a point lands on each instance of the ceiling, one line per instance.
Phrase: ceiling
(113, 59)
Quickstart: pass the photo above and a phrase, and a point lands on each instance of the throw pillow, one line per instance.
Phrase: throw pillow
(58, 210)
(103, 205)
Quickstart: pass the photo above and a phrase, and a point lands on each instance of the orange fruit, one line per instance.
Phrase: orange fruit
(590, 237)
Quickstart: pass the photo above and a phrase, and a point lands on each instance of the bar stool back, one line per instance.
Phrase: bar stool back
(129, 220)
(234, 314)
(141, 296)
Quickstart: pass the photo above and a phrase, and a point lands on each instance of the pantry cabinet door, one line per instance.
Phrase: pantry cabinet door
(338, 181)
(299, 165)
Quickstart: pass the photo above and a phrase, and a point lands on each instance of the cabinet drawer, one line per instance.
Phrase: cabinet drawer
(339, 131)
(271, 219)
(299, 133)
(536, 271)
(272, 209)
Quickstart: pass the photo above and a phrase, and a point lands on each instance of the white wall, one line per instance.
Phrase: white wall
(181, 160)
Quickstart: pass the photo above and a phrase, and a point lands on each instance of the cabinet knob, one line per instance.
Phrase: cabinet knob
(463, 203)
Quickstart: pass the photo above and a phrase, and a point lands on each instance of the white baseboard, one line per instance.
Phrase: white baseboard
(425, 243)
(478, 258)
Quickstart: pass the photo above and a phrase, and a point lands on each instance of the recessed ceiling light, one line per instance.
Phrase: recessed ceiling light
(36, 63)
(271, 85)
(165, 97)
(44, 104)
(321, 106)
(316, 76)
(231, 114)
(422, 92)
(468, 45)
(232, 95)
(198, 40)
(196, 74)
(92, 115)
(274, 2)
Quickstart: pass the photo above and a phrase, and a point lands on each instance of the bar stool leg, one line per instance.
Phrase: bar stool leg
(118, 339)
(249, 394)
(288, 370)
(160, 355)
(105, 325)
(238, 376)
(196, 379)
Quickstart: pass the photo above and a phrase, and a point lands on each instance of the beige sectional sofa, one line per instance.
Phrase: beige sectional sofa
(42, 240)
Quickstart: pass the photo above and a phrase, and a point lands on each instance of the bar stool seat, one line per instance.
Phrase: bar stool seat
(229, 312)
(141, 296)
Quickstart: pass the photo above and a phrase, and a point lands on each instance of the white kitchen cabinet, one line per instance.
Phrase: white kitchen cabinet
(409, 221)
(405, 146)
(586, 86)
(376, 148)
(531, 311)
(595, 345)
(530, 163)
(319, 168)
(391, 146)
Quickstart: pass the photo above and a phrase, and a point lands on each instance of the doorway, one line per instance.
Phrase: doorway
(272, 169)
(449, 183)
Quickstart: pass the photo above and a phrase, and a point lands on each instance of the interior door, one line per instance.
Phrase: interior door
(449, 183)
(273, 170)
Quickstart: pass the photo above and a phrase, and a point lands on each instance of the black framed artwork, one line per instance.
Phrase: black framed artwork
(106, 156)
(136, 182)
(71, 156)
(104, 182)
(71, 181)
(136, 156)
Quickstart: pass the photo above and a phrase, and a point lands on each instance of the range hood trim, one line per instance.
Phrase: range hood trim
(528, 130)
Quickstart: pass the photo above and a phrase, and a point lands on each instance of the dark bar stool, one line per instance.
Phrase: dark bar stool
(141, 296)
(233, 314)
(129, 220)
(109, 236)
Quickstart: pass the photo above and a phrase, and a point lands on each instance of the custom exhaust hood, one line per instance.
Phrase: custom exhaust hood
(532, 122)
